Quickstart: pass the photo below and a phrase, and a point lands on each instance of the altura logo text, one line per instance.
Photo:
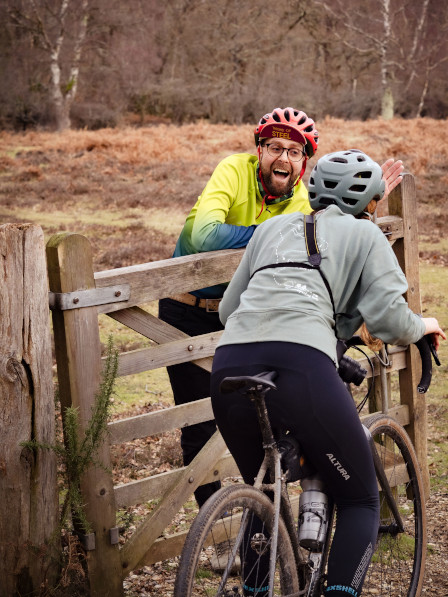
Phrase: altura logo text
(339, 466)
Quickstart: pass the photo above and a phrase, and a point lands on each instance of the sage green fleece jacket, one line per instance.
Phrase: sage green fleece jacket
(291, 304)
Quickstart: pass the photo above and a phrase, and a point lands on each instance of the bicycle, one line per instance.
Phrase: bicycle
(245, 517)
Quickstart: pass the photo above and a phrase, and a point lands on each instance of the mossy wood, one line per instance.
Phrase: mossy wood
(29, 541)
(79, 366)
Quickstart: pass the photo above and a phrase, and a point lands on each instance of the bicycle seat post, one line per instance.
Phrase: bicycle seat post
(257, 397)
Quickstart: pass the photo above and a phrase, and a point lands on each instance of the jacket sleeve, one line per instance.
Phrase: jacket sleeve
(382, 305)
(236, 287)
(210, 232)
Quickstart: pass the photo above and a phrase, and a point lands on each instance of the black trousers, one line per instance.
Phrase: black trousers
(312, 402)
(189, 382)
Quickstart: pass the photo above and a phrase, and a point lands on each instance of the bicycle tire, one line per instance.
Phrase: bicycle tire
(398, 563)
(221, 516)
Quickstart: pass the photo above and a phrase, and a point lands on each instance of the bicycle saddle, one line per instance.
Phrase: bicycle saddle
(249, 383)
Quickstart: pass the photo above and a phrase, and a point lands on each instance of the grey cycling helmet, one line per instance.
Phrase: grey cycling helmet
(348, 179)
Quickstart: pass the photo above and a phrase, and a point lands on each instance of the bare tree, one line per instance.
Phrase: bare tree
(429, 51)
(394, 33)
(58, 28)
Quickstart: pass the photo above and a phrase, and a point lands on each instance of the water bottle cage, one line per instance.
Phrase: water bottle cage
(313, 519)
(321, 512)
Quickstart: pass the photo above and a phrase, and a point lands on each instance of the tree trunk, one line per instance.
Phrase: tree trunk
(387, 104)
(60, 104)
(29, 545)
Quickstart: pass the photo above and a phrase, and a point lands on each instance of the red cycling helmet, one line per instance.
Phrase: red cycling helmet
(287, 123)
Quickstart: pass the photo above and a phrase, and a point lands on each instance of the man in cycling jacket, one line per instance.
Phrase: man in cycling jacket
(243, 191)
(281, 315)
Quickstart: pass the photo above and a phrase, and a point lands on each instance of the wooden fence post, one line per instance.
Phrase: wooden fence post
(29, 544)
(78, 359)
(403, 203)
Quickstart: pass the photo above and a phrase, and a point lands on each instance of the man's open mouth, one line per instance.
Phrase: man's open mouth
(281, 173)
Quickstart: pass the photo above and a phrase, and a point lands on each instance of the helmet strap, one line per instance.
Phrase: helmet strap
(302, 172)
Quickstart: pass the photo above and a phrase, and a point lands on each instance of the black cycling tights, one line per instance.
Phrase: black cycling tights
(312, 402)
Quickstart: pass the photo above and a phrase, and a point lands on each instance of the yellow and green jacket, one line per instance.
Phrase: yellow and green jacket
(229, 209)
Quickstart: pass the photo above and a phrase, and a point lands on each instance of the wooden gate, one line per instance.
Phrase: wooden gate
(78, 295)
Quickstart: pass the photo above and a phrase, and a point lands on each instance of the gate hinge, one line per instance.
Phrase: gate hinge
(62, 301)
(114, 535)
(87, 541)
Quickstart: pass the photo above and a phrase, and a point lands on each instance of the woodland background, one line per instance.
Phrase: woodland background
(89, 63)
(171, 88)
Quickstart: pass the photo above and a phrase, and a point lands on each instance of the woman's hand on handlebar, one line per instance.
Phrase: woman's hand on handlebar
(432, 327)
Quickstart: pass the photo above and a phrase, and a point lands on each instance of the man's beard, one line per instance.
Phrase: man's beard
(275, 187)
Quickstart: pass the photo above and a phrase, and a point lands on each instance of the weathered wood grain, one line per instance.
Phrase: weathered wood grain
(78, 358)
(403, 203)
(159, 279)
(28, 486)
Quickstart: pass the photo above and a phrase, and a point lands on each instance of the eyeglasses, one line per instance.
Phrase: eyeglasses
(294, 154)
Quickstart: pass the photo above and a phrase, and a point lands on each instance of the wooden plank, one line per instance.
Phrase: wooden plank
(399, 412)
(171, 353)
(191, 477)
(391, 226)
(155, 329)
(154, 423)
(171, 546)
(78, 357)
(142, 490)
(159, 279)
(403, 203)
(28, 483)
(150, 488)
(160, 421)
(397, 360)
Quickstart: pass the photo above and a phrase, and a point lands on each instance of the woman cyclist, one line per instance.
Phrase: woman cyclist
(280, 315)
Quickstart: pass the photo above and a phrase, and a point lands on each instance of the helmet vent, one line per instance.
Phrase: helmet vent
(358, 188)
(312, 195)
(327, 201)
(330, 184)
(275, 116)
(363, 174)
(287, 115)
(348, 201)
(308, 128)
(339, 160)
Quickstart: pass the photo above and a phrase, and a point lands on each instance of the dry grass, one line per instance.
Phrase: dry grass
(128, 191)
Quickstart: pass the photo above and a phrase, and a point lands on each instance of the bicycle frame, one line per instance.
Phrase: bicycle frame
(272, 464)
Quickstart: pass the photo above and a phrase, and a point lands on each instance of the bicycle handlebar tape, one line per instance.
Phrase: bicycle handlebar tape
(426, 348)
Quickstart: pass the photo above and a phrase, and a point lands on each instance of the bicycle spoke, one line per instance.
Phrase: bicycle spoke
(202, 570)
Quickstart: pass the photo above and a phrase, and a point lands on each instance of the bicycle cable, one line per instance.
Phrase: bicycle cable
(361, 405)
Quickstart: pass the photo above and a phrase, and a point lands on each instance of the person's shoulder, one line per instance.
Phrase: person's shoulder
(240, 159)
(347, 224)
(280, 221)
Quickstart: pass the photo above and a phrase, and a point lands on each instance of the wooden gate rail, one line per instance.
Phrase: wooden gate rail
(79, 368)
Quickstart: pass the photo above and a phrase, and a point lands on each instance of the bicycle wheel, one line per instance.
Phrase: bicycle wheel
(398, 563)
(219, 522)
